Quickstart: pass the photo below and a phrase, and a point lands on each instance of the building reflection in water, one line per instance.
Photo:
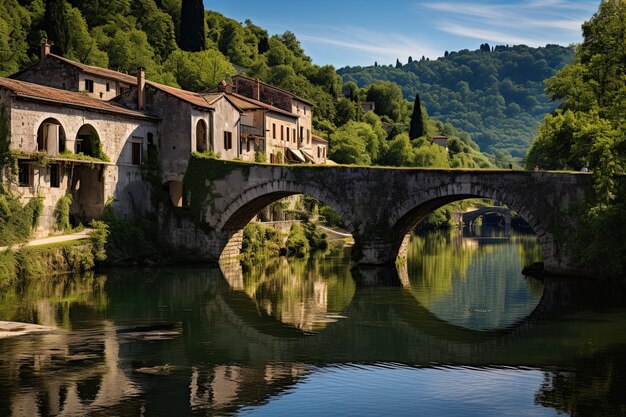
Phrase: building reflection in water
(227, 350)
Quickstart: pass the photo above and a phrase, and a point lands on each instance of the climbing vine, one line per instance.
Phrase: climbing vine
(62, 213)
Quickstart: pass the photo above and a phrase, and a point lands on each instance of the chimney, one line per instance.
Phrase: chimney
(258, 90)
(141, 88)
(45, 49)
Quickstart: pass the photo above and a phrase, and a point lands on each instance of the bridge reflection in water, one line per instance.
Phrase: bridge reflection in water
(233, 339)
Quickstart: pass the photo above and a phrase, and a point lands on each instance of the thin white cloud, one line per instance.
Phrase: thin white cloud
(488, 35)
(534, 22)
(382, 46)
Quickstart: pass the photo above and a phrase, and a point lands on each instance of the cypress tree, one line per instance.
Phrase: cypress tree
(192, 29)
(55, 25)
(417, 120)
(398, 63)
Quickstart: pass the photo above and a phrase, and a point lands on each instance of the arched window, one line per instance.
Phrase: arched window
(51, 137)
(88, 142)
(201, 136)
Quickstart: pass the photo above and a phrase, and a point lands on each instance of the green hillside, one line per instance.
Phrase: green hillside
(495, 94)
(184, 45)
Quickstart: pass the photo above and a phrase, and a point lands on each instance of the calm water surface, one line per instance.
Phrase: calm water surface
(457, 331)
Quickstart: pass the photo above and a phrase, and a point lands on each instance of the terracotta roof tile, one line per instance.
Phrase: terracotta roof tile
(197, 99)
(276, 88)
(101, 72)
(247, 103)
(71, 98)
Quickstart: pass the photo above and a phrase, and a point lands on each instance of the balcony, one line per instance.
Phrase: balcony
(252, 135)
(251, 132)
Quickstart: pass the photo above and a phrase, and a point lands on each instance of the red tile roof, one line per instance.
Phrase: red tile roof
(200, 100)
(276, 88)
(247, 103)
(42, 93)
(100, 72)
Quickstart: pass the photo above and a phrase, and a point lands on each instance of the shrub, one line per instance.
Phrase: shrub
(62, 213)
(297, 243)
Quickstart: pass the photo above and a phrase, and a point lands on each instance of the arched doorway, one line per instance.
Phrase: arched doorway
(51, 137)
(201, 136)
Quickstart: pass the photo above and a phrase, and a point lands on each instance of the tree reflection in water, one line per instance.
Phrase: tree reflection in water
(474, 282)
(304, 293)
(221, 335)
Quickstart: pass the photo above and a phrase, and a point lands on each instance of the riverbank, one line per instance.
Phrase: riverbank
(75, 256)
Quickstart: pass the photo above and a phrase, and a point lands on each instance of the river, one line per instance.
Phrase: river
(455, 331)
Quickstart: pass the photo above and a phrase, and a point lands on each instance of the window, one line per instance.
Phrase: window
(23, 174)
(288, 134)
(308, 136)
(108, 87)
(136, 153)
(319, 152)
(89, 85)
(274, 130)
(55, 180)
(282, 132)
(83, 144)
(301, 133)
(228, 140)
(294, 135)
(248, 146)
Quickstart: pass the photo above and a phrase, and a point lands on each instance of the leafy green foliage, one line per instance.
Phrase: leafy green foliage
(260, 243)
(17, 221)
(499, 99)
(62, 213)
(589, 130)
(297, 242)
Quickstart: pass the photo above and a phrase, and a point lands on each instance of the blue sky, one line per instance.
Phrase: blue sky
(359, 32)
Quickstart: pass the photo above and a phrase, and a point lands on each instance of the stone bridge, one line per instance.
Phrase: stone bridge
(379, 206)
(469, 217)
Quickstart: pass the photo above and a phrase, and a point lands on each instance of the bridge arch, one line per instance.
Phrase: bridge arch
(239, 212)
(503, 212)
(411, 212)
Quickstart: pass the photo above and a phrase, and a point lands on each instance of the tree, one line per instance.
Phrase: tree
(55, 24)
(197, 71)
(398, 63)
(354, 143)
(15, 21)
(192, 26)
(399, 152)
(418, 127)
(410, 59)
(589, 130)
(129, 50)
(81, 46)
(346, 111)
(388, 99)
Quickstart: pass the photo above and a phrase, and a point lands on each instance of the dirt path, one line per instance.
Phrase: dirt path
(48, 240)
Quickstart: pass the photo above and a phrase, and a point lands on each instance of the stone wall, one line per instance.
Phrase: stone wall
(90, 184)
(53, 73)
(226, 119)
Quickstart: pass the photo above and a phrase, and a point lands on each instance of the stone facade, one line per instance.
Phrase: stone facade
(58, 108)
(62, 73)
(90, 183)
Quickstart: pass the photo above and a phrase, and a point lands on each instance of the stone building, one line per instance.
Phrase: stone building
(70, 143)
(58, 72)
(441, 140)
(93, 126)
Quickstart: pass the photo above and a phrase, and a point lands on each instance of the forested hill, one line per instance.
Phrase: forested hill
(495, 94)
(183, 45)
